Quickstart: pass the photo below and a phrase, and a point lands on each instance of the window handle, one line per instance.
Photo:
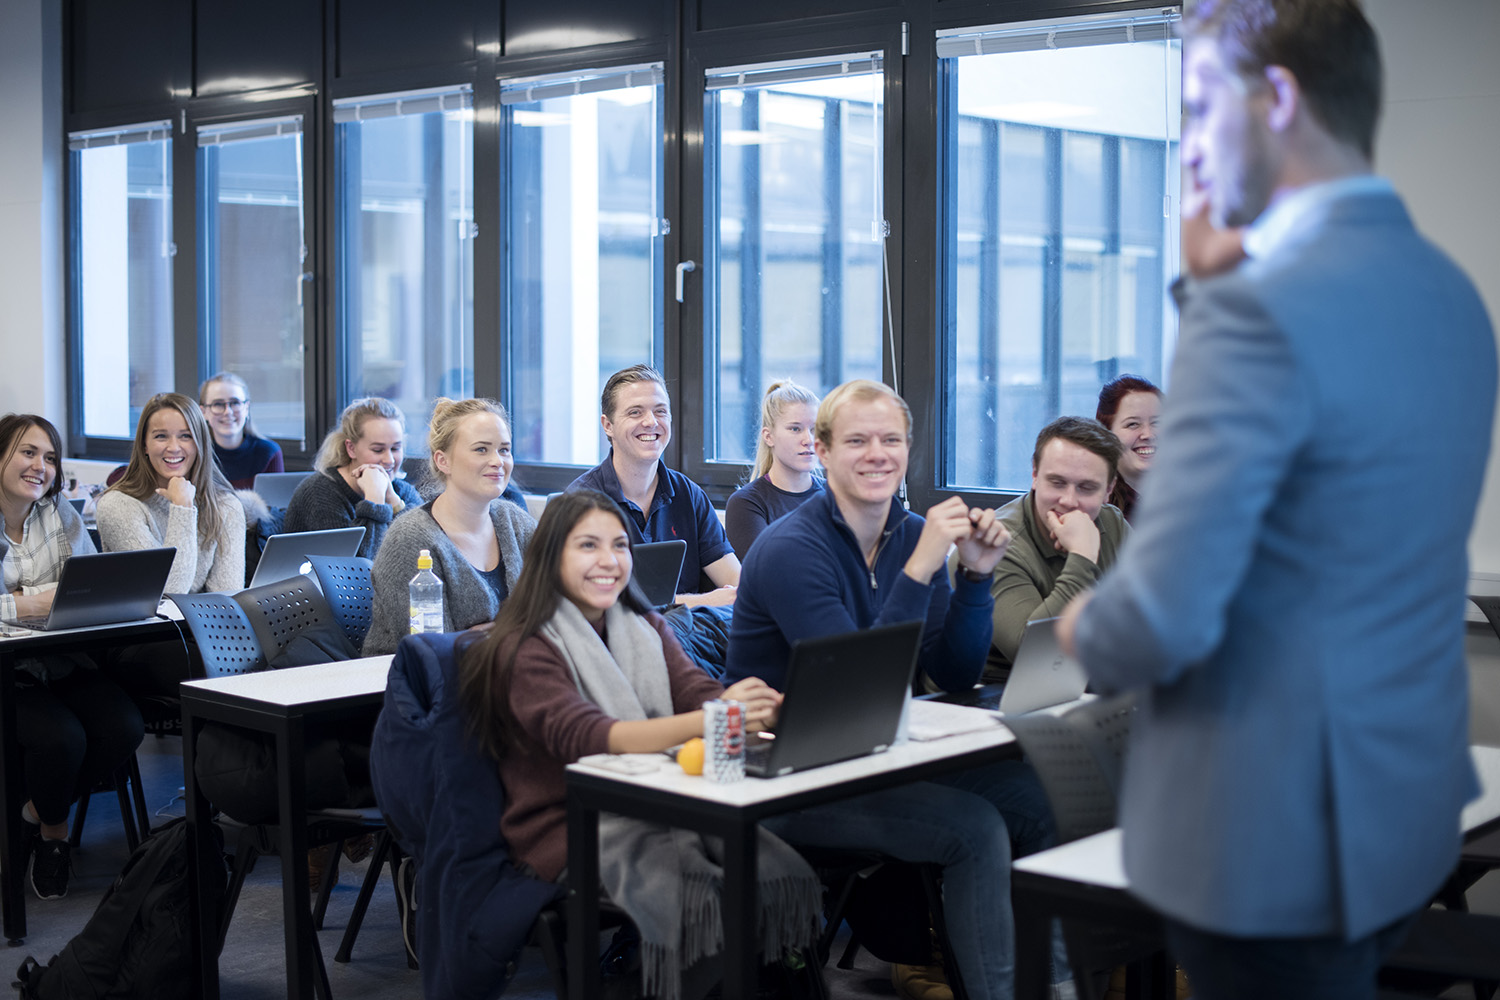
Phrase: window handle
(683, 267)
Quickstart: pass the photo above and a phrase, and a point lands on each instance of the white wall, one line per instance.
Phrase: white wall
(33, 377)
(1440, 144)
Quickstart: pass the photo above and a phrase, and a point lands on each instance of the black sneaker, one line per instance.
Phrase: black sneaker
(50, 864)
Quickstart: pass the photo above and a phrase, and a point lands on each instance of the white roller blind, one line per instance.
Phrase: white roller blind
(528, 89)
(120, 135)
(793, 71)
(1154, 25)
(263, 128)
(411, 102)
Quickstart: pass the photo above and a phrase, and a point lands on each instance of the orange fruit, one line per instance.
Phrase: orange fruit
(690, 757)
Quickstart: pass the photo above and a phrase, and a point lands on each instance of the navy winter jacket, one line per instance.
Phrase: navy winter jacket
(443, 799)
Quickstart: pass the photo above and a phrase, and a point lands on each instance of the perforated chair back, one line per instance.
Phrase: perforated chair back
(226, 642)
(346, 585)
(1078, 757)
(278, 611)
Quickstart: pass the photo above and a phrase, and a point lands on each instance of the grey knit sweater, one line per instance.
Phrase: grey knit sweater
(467, 599)
(323, 500)
(127, 524)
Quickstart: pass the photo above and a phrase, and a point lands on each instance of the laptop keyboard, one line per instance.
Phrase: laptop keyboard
(32, 621)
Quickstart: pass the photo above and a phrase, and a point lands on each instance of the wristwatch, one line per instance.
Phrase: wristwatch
(972, 575)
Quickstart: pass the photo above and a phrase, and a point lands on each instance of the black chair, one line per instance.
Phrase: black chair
(1079, 757)
(136, 817)
(241, 634)
(346, 584)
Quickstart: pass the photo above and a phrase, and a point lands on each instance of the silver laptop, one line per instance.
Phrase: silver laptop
(276, 488)
(285, 555)
(105, 588)
(843, 699)
(1042, 676)
(657, 568)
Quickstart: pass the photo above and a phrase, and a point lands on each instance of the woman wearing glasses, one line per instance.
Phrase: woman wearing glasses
(241, 453)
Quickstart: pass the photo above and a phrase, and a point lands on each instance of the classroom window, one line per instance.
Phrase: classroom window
(1058, 230)
(583, 256)
(405, 203)
(122, 208)
(255, 270)
(793, 235)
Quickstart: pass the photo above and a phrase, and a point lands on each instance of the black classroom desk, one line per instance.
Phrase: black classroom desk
(12, 774)
(278, 702)
(732, 812)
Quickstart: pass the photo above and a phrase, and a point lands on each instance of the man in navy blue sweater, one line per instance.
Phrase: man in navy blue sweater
(852, 558)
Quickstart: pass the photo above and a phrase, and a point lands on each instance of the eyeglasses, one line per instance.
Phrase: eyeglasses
(220, 405)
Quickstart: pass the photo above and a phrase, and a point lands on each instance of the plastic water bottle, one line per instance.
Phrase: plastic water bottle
(426, 597)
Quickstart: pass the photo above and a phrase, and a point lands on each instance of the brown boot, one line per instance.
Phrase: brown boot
(317, 863)
(921, 982)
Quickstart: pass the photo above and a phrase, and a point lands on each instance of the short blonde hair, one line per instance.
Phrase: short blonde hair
(780, 396)
(447, 414)
(351, 427)
(860, 390)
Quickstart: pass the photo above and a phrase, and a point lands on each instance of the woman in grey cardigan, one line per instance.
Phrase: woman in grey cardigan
(476, 538)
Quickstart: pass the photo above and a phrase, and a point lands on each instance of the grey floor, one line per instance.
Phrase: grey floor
(252, 966)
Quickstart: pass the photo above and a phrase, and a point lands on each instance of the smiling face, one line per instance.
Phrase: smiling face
(381, 441)
(169, 445)
(791, 440)
(641, 425)
(865, 458)
(1227, 145)
(596, 563)
(1069, 477)
(1135, 425)
(31, 469)
(479, 461)
(227, 409)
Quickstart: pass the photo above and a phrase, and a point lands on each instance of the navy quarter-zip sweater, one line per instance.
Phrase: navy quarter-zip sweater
(806, 577)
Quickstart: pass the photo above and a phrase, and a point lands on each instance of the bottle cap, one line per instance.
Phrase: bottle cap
(424, 559)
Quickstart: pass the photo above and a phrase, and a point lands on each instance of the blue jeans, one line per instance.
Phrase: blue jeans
(960, 824)
(1320, 968)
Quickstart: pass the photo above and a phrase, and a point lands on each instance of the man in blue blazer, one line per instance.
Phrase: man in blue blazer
(1291, 605)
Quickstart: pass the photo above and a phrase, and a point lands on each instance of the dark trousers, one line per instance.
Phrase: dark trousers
(74, 731)
(1320, 968)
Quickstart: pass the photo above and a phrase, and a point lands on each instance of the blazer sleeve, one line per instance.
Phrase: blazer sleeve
(1240, 410)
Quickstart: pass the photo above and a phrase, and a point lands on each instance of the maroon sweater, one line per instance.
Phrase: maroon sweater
(566, 726)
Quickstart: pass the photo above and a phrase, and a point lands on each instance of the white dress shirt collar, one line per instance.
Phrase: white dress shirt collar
(1275, 223)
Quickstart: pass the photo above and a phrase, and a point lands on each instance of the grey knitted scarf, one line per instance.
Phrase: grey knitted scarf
(669, 880)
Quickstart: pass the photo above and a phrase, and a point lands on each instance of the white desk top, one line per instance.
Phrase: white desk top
(302, 685)
(668, 777)
(9, 631)
(1098, 860)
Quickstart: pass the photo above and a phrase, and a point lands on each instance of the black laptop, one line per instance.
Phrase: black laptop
(657, 568)
(843, 699)
(105, 588)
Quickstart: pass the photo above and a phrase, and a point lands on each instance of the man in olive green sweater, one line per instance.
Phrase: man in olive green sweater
(1063, 533)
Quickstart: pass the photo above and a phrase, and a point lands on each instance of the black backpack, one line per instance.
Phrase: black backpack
(137, 943)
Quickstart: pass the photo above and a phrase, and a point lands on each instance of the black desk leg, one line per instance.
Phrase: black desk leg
(740, 909)
(203, 855)
(12, 797)
(292, 817)
(1033, 947)
(583, 901)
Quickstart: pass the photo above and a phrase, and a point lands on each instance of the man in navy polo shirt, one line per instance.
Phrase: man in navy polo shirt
(660, 504)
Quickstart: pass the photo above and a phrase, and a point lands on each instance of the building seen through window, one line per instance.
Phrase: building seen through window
(1059, 228)
(121, 204)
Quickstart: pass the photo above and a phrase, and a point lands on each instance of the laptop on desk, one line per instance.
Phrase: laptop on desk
(843, 699)
(657, 568)
(105, 588)
(1042, 676)
(285, 555)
